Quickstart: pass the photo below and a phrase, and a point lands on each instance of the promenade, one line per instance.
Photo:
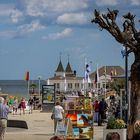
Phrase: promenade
(40, 127)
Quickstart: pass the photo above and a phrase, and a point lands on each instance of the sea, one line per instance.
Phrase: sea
(19, 87)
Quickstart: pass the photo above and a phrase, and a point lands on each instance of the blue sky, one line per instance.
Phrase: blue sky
(34, 32)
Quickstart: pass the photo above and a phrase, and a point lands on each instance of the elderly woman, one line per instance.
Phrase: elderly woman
(4, 110)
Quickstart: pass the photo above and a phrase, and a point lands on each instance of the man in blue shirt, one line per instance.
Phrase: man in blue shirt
(4, 110)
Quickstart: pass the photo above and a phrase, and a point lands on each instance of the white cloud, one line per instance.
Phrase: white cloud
(43, 7)
(68, 5)
(65, 33)
(33, 26)
(34, 7)
(106, 2)
(135, 2)
(16, 15)
(72, 18)
(9, 10)
(22, 30)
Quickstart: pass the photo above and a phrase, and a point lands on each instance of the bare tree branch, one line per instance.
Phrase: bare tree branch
(107, 21)
(99, 20)
(128, 36)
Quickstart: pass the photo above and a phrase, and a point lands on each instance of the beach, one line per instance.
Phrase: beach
(40, 127)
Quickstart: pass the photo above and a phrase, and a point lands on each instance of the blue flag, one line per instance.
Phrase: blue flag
(123, 52)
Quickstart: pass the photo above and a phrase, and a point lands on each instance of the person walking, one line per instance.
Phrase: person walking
(4, 110)
(35, 100)
(30, 103)
(23, 105)
(58, 113)
(102, 111)
(15, 106)
(96, 109)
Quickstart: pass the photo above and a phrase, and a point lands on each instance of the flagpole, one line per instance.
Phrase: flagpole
(85, 83)
(105, 82)
(97, 82)
(65, 82)
(28, 82)
(87, 72)
(28, 87)
(97, 90)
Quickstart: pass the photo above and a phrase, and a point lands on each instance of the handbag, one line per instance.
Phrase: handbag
(52, 116)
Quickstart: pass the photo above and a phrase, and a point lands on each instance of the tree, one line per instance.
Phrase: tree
(33, 86)
(129, 37)
(117, 84)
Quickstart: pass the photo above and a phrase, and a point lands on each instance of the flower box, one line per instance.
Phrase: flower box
(111, 134)
(115, 130)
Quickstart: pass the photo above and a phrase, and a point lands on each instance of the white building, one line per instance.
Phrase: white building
(66, 80)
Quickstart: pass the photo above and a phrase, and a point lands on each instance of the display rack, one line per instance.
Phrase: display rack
(79, 110)
(64, 128)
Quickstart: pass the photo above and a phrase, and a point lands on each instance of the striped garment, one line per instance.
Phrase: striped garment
(4, 110)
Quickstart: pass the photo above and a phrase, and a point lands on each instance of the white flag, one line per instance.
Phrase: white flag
(87, 71)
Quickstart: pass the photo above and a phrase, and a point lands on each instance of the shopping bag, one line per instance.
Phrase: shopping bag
(52, 116)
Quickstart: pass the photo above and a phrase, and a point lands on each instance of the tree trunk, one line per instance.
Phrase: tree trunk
(135, 96)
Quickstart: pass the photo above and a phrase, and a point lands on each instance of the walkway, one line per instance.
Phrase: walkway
(40, 127)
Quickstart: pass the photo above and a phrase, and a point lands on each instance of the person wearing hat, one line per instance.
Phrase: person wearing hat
(4, 110)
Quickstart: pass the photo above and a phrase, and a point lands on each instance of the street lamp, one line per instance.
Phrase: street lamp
(39, 78)
(126, 82)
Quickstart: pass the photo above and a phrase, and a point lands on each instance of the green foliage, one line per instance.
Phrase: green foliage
(116, 124)
(33, 85)
(117, 84)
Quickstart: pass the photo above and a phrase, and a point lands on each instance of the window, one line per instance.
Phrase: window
(82, 85)
(57, 85)
(76, 85)
(69, 85)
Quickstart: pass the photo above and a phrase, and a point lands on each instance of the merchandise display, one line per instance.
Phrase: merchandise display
(79, 111)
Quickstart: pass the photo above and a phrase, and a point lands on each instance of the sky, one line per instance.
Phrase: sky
(33, 34)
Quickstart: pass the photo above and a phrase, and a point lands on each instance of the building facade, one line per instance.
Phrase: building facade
(66, 80)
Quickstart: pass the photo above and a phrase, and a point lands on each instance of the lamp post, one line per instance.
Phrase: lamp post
(39, 78)
(126, 83)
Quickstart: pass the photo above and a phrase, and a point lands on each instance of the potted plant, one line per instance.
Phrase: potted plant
(115, 129)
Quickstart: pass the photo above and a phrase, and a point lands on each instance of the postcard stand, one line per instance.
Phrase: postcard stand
(79, 111)
(64, 128)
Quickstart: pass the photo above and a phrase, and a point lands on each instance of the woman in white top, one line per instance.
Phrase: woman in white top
(58, 112)
(15, 106)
